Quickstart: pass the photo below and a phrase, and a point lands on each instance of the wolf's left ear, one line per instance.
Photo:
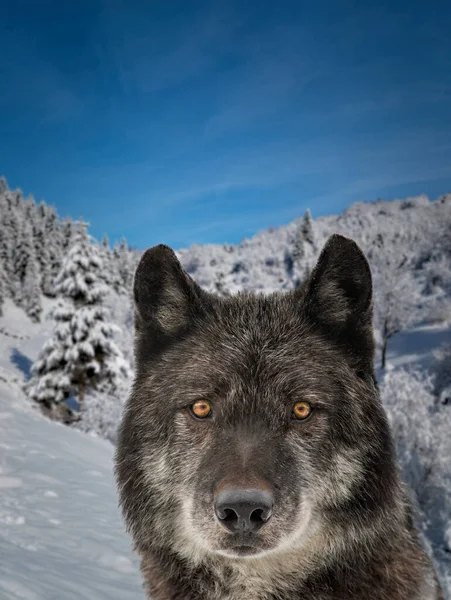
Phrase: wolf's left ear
(338, 296)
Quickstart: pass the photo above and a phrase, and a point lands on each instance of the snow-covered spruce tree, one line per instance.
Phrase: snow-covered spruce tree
(301, 254)
(125, 266)
(26, 272)
(5, 251)
(111, 266)
(42, 250)
(288, 263)
(67, 228)
(298, 251)
(49, 247)
(31, 293)
(295, 266)
(9, 234)
(82, 354)
(126, 262)
(2, 289)
(307, 228)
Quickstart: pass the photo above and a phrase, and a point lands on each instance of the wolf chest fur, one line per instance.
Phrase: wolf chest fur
(254, 459)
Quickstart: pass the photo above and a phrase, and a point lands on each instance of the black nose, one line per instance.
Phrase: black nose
(243, 510)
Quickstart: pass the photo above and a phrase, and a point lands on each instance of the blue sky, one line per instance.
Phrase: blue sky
(192, 122)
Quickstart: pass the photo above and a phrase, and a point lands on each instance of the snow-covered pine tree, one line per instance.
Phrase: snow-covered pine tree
(2, 289)
(294, 261)
(26, 272)
(105, 254)
(48, 244)
(5, 250)
(67, 231)
(30, 211)
(298, 251)
(42, 251)
(307, 228)
(110, 271)
(82, 353)
(124, 265)
(9, 233)
(289, 263)
(105, 242)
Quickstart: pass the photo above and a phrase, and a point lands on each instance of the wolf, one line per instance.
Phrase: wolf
(254, 458)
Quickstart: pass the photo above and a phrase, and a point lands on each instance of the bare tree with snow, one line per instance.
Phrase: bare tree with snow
(397, 300)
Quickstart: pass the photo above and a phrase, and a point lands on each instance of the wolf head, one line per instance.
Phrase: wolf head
(254, 423)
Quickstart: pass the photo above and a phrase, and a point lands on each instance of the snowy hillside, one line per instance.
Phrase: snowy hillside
(61, 534)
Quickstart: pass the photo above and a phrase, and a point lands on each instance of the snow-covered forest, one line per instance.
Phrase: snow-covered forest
(66, 320)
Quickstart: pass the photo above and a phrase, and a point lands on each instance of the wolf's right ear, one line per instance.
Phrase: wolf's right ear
(166, 298)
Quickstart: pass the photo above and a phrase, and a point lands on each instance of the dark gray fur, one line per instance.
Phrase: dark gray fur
(342, 527)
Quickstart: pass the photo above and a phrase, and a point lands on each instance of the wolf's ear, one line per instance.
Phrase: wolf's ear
(338, 295)
(166, 298)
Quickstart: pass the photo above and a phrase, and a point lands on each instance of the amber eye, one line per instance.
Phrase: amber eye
(302, 411)
(201, 409)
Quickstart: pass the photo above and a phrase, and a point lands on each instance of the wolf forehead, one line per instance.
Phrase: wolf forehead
(251, 335)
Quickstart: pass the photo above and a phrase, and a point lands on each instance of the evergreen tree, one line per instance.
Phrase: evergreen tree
(289, 263)
(124, 265)
(295, 260)
(298, 251)
(31, 292)
(41, 246)
(307, 228)
(5, 251)
(67, 231)
(54, 250)
(43, 256)
(9, 234)
(27, 280)
(30, 212)
(82, 353)
(110, 272)
(3, 185)
(49, 235)
(2, 287)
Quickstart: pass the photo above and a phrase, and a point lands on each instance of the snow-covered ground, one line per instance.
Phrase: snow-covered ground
(61, 534)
